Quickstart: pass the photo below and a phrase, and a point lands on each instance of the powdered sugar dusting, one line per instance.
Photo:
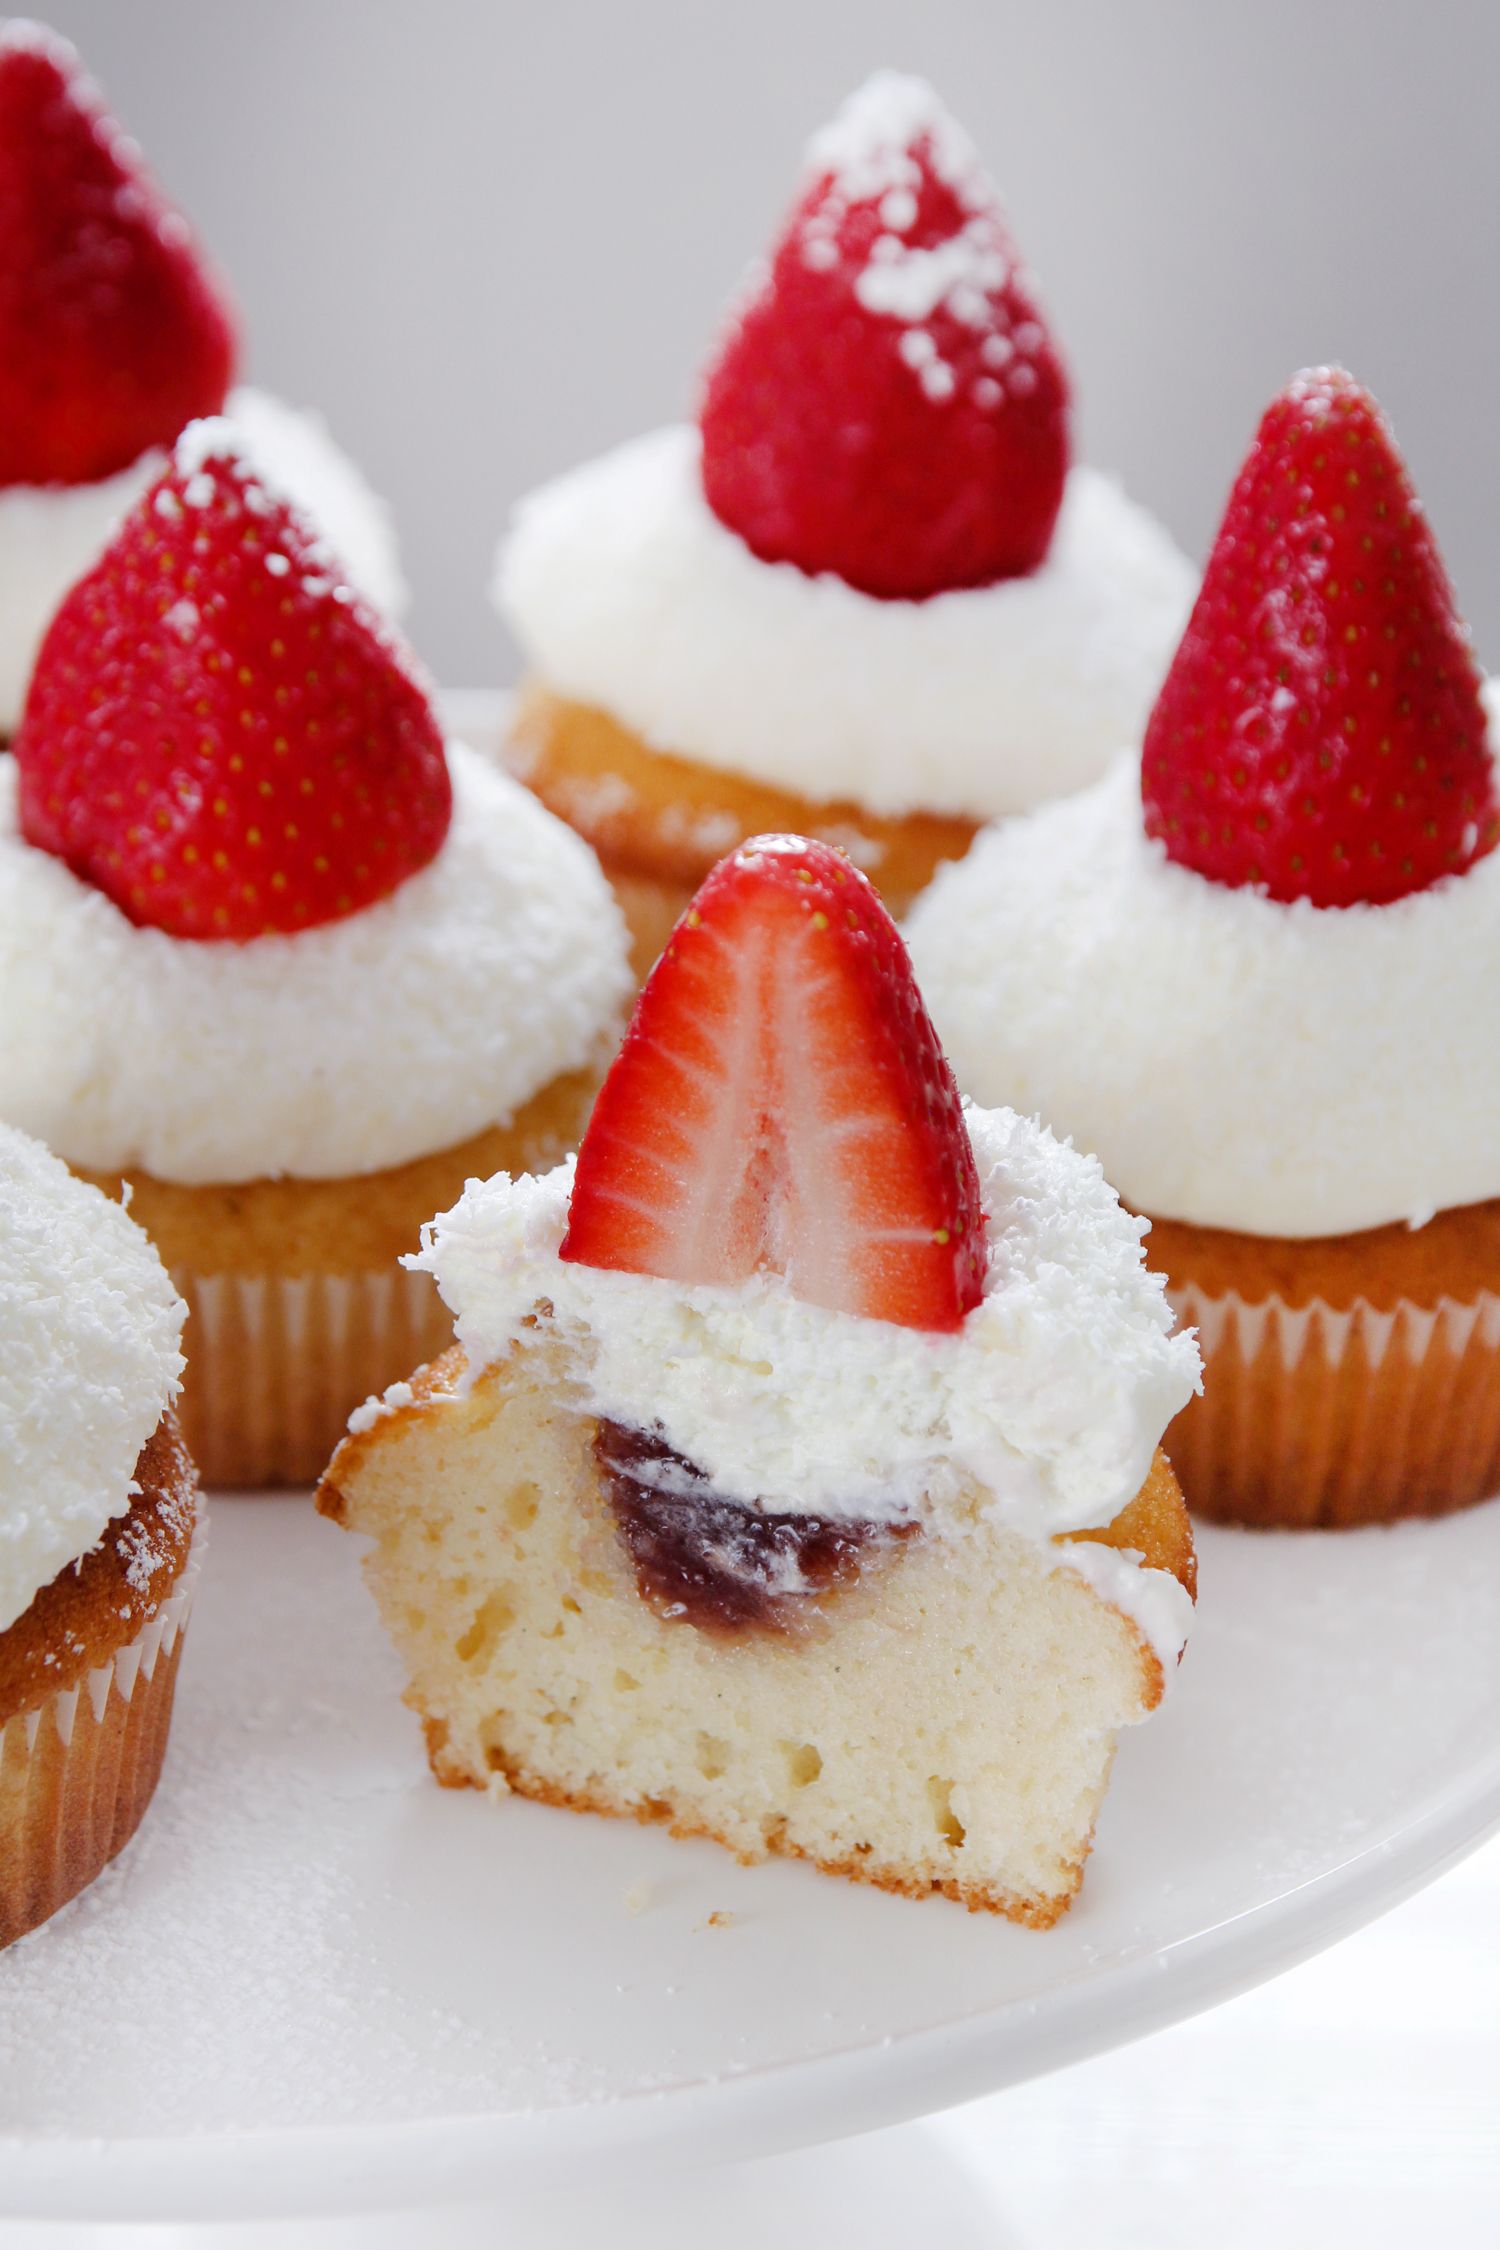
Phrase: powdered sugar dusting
(248, 1961)
(959, 274)
(217, 439)
(212, 438)
(26, 36)
(867, 147)
(874, 152)
(145, 1542)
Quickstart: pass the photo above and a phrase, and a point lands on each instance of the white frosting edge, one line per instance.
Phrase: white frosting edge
(405, 1028)
(625, 591)
(1156, 1601)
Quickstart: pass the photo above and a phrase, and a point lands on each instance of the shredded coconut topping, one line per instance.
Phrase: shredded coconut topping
(90, 1330)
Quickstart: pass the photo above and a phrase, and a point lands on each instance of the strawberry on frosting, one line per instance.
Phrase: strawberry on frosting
(1320, 734)
(113, 331)
(888, 404)
(781, 1103)
(1254, 972)
(220, 734)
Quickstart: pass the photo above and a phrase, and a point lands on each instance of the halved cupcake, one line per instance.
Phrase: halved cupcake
(1257, 976)
(98, 1516)
(795, 1479)
(278, 956)
(866, 598)
(114, 334)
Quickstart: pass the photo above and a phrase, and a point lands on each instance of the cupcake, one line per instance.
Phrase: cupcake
(795, 1477)
(276, 955)
(98, 1516)
(1254, 973)
(114, 334)
(868, 596)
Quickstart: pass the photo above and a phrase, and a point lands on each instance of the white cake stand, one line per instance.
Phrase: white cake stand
(318, 1984)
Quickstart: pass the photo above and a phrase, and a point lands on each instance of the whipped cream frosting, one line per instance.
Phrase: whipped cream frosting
(51, 534)
(1233, 1061)
(90, 1358)
(625, 591)
(1042, 1412)
(396, 1031)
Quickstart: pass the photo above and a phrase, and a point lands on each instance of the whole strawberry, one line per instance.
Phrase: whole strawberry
(888, 404)
(219, 734)
(113, 334)
(1320, 733)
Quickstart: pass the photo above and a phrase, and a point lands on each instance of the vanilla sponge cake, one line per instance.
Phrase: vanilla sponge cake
(946, 1722)
(970, 1568)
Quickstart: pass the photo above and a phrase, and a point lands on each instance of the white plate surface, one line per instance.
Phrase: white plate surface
(316, 1981)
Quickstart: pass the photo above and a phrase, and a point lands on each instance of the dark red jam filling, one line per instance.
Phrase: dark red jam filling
(717, 1563)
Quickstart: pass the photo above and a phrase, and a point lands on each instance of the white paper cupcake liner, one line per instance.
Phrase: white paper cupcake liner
(276, 1365)
(1329, 1415)
(78, 1770)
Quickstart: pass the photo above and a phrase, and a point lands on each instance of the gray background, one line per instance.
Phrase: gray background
(489, 239)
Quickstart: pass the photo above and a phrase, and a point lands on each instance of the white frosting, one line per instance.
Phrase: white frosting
(90, 1329)
(1048, 1403)
(1233, 1061)
(1156, 1601)
(399, 1030)
(51, 534)
(625, 591)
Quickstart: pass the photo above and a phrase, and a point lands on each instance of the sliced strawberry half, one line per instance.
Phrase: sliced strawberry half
(888, 403)
(219, 734)
(781, 1103)
(113, 333)
(1320, 733)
